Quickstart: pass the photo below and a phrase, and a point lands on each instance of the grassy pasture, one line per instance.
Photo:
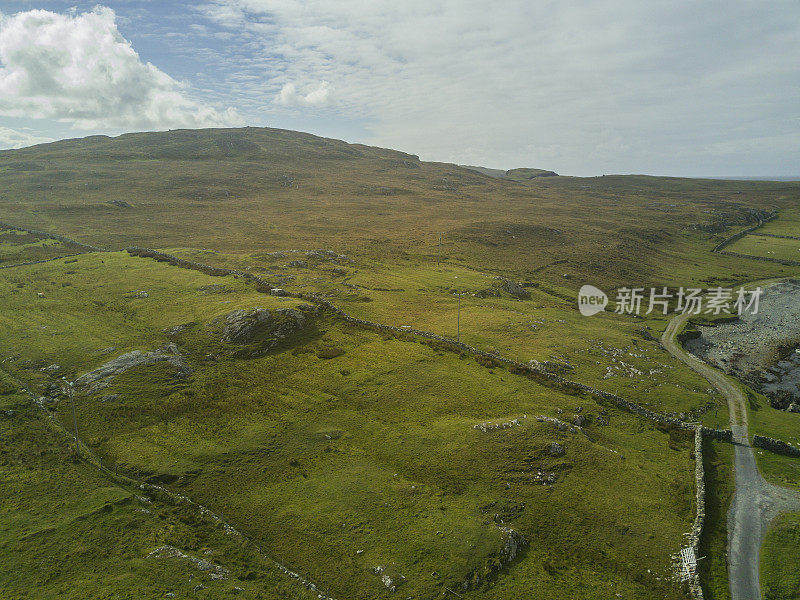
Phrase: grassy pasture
(788, 223)
(374, 450)
(780, 578)
(68, 532)
(608, 351)
(768, 247)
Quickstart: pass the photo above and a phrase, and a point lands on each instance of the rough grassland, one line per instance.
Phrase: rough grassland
(718, 463)
(342, 450)
(19, 246)
(371, 451)
(615, 353)
(780, 577)
(68, 532)
(243, 190)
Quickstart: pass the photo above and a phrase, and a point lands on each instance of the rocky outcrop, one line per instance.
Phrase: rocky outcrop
(512, 544)
(245, 326)
(102, 376)
(497, 425)
(514, 289)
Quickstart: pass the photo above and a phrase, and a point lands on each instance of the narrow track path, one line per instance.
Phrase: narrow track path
(755, 502)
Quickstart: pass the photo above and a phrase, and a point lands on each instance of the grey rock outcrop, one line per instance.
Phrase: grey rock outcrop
(245, 326)
(102, 376)
(514, 289)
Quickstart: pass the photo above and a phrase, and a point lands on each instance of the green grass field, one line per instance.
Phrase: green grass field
(768, 247)
(787, 224)
(67, 531)
(780, 579)
(372, 451)
(718, 464)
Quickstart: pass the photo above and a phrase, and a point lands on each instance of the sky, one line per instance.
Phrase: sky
(590, 87)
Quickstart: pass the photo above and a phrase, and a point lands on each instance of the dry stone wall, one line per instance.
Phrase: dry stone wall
(776, 446)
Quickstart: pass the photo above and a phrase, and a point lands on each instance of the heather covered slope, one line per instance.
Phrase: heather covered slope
(241, 190)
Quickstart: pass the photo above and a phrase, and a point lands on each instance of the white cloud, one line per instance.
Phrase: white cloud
(77, 68)
(589, 87)
(319, 96)
(12, 138)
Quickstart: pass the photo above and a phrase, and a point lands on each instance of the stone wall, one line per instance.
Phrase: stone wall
(53, 236)
(775, 235)
(780, 261)
(776, 446)
(38, 262)
(700, 514)
(741, 234)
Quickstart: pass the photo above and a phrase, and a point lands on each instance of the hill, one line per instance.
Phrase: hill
(250, 189)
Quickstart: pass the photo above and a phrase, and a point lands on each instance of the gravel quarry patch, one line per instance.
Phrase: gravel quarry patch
(749, 348)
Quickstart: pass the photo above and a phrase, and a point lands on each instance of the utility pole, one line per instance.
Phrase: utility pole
(458, 320)
(71, 394)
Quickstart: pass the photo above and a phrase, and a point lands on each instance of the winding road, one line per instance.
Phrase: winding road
(755, 502)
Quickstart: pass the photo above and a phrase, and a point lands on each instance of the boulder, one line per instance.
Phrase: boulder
(555, 449)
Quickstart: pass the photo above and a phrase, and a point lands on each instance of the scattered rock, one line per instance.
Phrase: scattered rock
(216, 571)
(277, 292)
(555, 449)
(496, 425)
(176, 329)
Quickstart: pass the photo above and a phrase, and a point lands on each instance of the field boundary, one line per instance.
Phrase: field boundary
(39, 262)
(719, 248)
(775, 235)
(53, 236)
